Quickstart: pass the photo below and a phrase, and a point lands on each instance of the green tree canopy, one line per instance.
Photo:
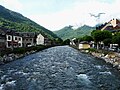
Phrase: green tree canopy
(101, 35)
(107, 41)
(87, 38)
(116, 39)
(66, 42)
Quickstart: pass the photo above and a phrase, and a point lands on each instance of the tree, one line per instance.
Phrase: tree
(107, 41)
(57, 41)
(66, 42)
(87, 38)
(99, 36)
(116, 40)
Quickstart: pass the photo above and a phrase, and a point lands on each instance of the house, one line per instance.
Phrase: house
(9, 38)
(84, 45)
(40, 39)
(13, 40)
(2, 40)
(47, 41)
(28, 38)
(113, 25)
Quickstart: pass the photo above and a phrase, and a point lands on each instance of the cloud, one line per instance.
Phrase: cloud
(78, 14)
(15, 5)
(50, 15)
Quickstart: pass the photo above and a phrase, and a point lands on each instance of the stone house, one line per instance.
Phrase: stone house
(28, 38)
(13, 40)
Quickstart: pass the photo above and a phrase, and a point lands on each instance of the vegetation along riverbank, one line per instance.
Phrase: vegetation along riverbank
(9, 55)
(112, 58)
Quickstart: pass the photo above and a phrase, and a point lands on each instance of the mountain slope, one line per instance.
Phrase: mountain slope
(68, 32)
(18, 22)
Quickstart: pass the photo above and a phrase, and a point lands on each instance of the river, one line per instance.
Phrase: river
(59, 68)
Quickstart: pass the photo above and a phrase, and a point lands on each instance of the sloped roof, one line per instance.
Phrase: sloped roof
(84, 42)
(108, 26)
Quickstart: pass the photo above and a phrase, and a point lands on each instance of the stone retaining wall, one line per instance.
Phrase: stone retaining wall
(12, 57)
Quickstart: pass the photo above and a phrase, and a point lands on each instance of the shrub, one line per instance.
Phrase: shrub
(19, 50)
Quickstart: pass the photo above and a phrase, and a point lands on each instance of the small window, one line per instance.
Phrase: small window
(26, 39)
(19, 39)
(9, 38)
(19, 44)
(30, 39)
(15, 38)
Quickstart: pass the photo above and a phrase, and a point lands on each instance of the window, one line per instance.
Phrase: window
(30, 39)
(26, 39)
(19, 39)
(9, 44)
(19, 44)
(15, 38)
(9, 38)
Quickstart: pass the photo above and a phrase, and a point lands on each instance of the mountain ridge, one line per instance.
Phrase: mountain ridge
(68, 32)
(14, 20)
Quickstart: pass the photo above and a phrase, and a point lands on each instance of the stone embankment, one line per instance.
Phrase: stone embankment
(111, 57)
(12, 57)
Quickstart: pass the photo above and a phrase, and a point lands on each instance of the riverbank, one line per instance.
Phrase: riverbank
(17, 53)
(112, 58)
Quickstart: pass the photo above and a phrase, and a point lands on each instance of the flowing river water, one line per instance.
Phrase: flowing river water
(59, 68)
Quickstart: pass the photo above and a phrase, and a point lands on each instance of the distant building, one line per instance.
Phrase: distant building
(40, 39)
(84, 45)
(28, 38)
(113, 25)
(72, 41)
(13, 40)
(47, 41)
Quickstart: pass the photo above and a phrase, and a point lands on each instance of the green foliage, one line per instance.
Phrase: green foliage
(66, 42)
(107, 41)
(101, 35)
(23, 50)
(19, 51)
(87, 38)
(18, 22)
(69, 32)
(116, 40)
(6, 51)
(92, 50)
(58, 41)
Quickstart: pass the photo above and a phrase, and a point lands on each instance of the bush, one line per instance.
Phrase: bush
(6, 51)
(93, 50)
(19, 50)
(23, 50)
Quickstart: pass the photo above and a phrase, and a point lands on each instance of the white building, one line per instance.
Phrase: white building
(13, 40)
(84, 45)
(40, 39)
(18, 39)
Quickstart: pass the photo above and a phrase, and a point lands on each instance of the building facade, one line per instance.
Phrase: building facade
(84, 45)
(28, 38)
(40, 39)
(113, 25)
(13, 40)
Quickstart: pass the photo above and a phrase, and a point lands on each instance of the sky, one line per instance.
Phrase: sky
(56, 14)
